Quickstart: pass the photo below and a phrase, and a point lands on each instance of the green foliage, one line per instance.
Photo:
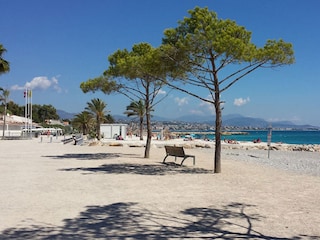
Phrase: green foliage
(42, 112)
(4, 64)
(97, 108)
(83, 122)
(101, 83)
(15, 109)
(137, 108)
(136, 74)
(4, 94)
(108, 119)
(39, 112)
(277, 53)
(141, 63)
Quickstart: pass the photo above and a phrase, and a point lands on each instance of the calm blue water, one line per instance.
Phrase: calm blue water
(291, 137)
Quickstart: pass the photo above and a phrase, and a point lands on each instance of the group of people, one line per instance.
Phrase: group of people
(118, 137)
(231, 141)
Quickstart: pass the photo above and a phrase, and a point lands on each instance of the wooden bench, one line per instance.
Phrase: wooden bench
(67, 140)
(177, 152)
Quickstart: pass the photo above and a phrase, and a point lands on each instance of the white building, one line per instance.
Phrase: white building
(110, 131)
(16, 119)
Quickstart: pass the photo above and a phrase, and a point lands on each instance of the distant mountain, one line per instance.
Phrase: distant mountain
(129, 119)
(196, 118)
(234, 120)
(160, 119)
(237, 120)
(284, 124)
(65, 115)
(245, 122)
(231, 116)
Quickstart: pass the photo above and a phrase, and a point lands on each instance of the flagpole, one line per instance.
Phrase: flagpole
(31, 112)
(28, 112)
(25, 111)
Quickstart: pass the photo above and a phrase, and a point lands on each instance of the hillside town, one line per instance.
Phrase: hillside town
(16, 125)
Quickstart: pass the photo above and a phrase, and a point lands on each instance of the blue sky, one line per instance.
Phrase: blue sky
(53, 46)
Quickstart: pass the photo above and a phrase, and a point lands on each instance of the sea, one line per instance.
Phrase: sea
(277, 136)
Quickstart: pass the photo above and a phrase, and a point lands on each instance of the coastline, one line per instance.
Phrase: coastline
(302, 137)
(200, 143)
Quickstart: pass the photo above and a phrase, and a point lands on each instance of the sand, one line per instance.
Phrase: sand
(54, 191)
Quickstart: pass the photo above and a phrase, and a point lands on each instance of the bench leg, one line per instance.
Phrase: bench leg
(183, 160)
(194, 160)
(165, 158)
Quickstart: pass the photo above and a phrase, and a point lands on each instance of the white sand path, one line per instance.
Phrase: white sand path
(51, 190)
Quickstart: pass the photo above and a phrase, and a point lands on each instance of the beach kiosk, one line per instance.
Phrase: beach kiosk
(111, 131)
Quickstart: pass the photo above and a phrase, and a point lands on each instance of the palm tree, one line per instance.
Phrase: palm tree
(109, 119)
(137, 108)
(97, 108)
(83, 121)
(4, 97)
(4, 64)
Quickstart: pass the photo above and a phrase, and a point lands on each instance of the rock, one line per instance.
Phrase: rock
(135, 145)
(188, 146)
(95, 143)
(116, 144)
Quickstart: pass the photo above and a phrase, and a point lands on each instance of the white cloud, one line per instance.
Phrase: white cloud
(161, 92)
(55, 80)
(41, 83)
(207, 107)
(17, 87)
(241, 101)
(57, 88)
(181, 101)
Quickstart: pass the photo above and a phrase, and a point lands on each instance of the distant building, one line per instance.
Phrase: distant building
(111, 131)
(53, 122)
(15, 119)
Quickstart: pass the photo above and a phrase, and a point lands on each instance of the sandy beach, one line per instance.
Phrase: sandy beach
(51, 190)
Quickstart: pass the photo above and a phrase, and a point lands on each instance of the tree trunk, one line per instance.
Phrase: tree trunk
(148, 119)
(149, 135)
(141, 128)
(98, 130)
(217, 154)
(217, 105)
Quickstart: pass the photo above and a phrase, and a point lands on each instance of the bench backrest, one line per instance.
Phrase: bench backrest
(175, 151)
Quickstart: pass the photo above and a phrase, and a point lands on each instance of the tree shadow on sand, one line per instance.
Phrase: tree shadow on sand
(141, 169)
(130, 221)
(126, 168)
(90, 156)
